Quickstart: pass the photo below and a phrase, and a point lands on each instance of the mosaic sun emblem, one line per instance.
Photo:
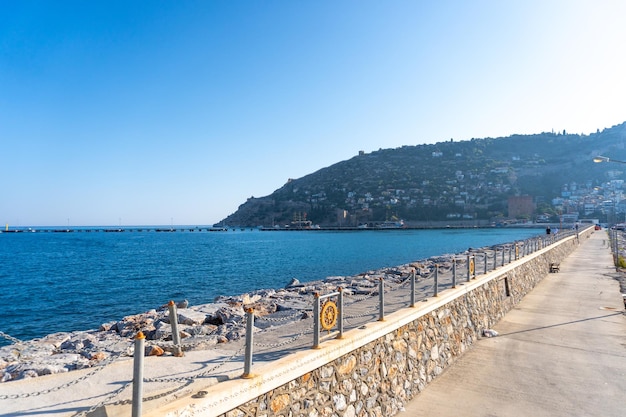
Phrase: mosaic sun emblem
(328, 315)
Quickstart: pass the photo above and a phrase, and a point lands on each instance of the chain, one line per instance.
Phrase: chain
(395, 287)
(96, 369)
(205, 373)
(358, 299)
(429, 274)
(286, 342)
(365, 313)
(363, 297)
(108, 397)
(278, 319)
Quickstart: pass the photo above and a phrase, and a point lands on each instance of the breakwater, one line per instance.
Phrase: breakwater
(375, 369)
(77, 281)
(282, 337)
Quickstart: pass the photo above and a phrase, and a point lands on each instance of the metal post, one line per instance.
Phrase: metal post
(453, 272)
(469, 268)
(614, 246)
(412, 288)
(485, 253)
(316, 322)
(503, 250)
(510, 253)
(247, 367)
(340, 308)
(175, 334)
(436, 293)
(138, 374)
(381, 299)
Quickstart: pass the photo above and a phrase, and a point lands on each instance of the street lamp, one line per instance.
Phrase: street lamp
(599, 159)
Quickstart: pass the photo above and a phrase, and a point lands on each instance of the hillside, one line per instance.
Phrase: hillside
(470, 180)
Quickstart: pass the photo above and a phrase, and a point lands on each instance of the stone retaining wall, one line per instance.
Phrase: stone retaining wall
(378, 378)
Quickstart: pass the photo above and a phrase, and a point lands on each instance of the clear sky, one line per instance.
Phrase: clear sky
(159, 112)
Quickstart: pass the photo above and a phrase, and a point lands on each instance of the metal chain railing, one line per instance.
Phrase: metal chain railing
(446, 274)
(287, 342)
(105, 401)
(279, 319)
(93, 372)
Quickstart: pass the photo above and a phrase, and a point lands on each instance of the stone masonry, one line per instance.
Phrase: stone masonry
(378, 378)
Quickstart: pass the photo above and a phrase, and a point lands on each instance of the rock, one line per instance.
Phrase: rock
(292, 304)
(293, 283)
(490, 333)
(162, 330)
(105, 327)
(203, 330)
(230, 314)
(191, 317)
(98, 356)
(202, 326)
(248, 299)
(154, 351)
(129, 326)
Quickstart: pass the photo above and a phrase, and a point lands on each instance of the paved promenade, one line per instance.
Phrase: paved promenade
(560, 352)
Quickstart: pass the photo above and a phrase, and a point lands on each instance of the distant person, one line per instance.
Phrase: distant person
(548, 230)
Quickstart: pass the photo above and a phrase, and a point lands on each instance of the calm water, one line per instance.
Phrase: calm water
(51, 282)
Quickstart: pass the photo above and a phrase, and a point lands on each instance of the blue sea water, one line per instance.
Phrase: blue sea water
(52, 282)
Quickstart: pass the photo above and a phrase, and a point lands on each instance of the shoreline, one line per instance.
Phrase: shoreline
(212, 229)
(204, 326)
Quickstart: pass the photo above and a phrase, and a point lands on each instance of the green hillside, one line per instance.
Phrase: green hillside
(466, 180)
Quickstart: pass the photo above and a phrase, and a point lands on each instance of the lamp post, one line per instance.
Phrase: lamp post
(616, 249)
(599, 159)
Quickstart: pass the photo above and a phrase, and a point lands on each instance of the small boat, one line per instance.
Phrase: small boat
(398, 224)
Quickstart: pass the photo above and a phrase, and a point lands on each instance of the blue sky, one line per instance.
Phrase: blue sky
(155, 112)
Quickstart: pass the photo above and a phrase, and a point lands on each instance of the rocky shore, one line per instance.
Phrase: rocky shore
(202, 326)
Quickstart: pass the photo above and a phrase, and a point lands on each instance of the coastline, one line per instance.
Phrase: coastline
(204, 326)
(201, 327)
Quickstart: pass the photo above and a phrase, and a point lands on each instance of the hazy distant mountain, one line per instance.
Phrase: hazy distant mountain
(469, 179)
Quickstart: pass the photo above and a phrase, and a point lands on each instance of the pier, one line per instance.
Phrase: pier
(558, 352)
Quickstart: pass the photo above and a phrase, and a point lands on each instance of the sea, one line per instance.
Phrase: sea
(62, 282)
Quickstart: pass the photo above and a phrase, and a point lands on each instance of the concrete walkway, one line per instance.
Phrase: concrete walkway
(560, 352)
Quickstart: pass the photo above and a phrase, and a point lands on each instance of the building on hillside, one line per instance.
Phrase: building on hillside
(521, 206)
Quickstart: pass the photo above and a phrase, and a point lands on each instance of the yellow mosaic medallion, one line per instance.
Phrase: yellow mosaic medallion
(328, 315)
